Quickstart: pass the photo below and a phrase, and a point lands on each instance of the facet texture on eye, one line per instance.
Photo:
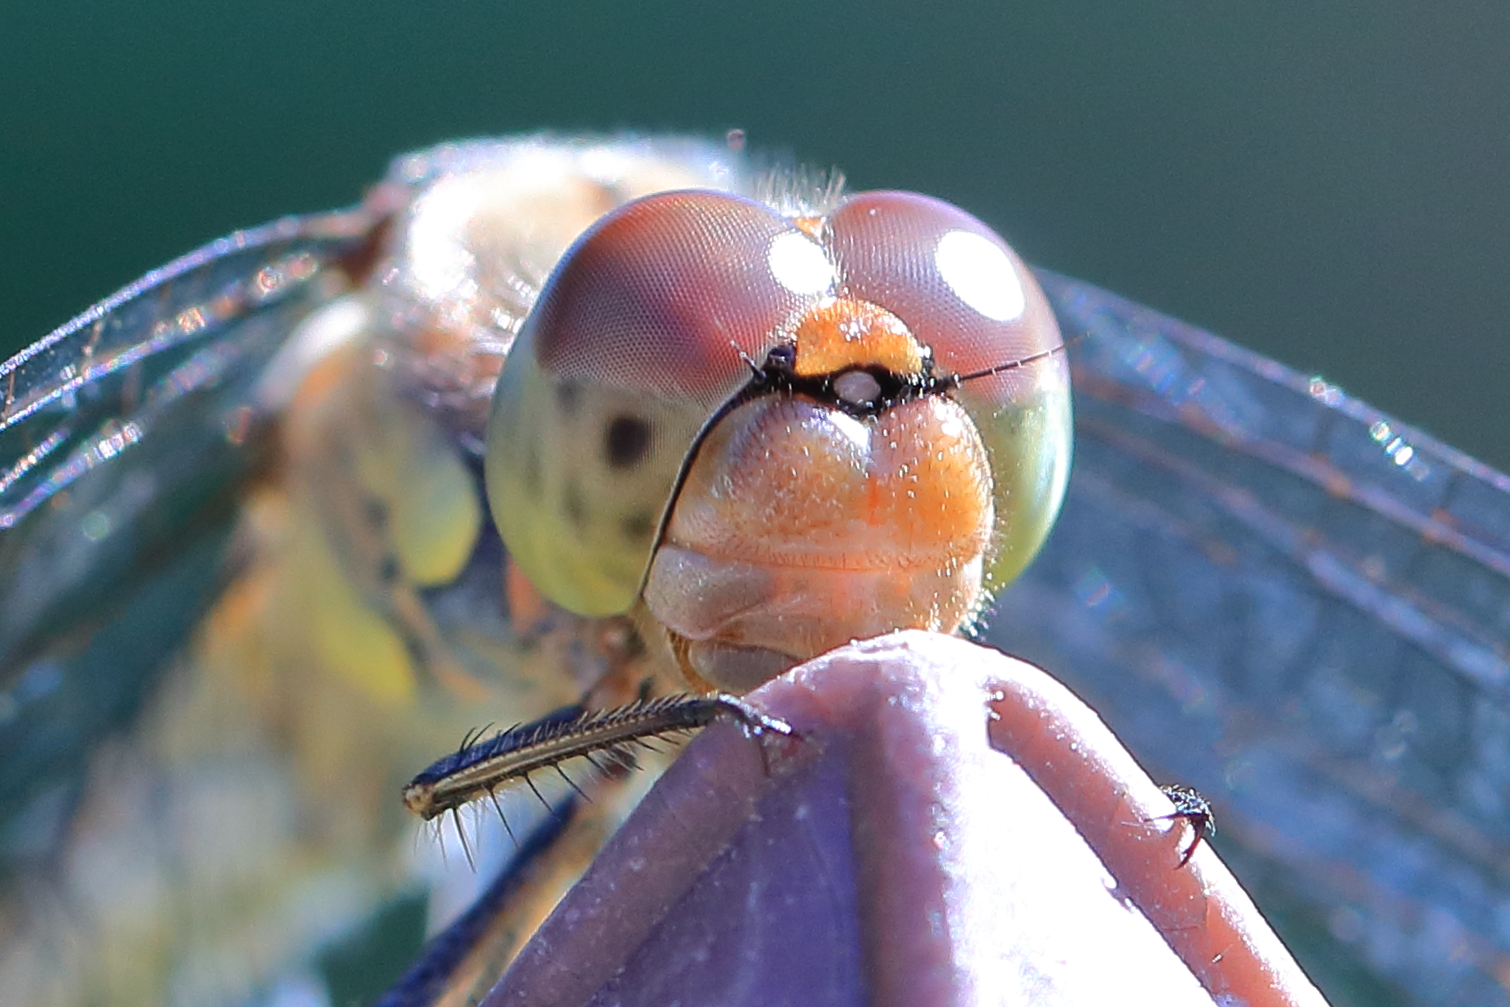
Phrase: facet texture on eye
(645, 328)
(662, 295)
(949, 277)
(810, 430)
(979, 273)
(799, 265)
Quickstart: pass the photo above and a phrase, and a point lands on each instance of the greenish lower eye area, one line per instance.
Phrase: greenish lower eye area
(1029, 446)
(578, 478)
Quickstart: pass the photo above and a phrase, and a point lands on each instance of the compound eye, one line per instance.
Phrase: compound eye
(957, 286)
(664, 295)
(649, 324)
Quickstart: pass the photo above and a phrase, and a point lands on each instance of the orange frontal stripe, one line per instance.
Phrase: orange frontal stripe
(844, 333)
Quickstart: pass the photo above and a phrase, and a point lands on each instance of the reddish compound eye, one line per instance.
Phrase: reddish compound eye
(664, 296)
(968, 297)
(956, 285)
(648, 325)
(853, 458)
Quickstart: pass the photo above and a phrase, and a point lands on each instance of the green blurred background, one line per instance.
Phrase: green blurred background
(1325, 183)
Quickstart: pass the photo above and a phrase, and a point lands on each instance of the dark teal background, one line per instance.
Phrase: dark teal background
(1326, 185)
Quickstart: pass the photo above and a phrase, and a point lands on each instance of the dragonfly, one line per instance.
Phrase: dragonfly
(248, 585)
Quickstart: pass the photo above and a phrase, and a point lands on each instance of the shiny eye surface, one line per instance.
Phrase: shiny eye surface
(965, 294)
(667, 308)
(949, 277)
(664, 295)
(647, 326)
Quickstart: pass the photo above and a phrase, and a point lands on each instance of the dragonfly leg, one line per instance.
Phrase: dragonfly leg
(1193, 808)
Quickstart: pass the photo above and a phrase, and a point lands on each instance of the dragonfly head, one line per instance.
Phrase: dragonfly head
(772, 434)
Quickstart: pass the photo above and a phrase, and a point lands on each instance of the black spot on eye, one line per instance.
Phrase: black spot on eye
(375, 509)
(637, 527)
(388, 570)
(568, 397)
(627, 442)
(574, 504)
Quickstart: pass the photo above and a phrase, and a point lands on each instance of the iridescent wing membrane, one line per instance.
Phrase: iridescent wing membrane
(126, 439)
(1274, 593)
(124, 436)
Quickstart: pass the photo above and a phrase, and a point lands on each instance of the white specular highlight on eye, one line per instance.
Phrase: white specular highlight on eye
(799, 265)
(980, 274)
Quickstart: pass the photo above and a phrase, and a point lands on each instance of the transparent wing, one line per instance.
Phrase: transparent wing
(129, 429)
(232, 626)
(213, 680)
(90, 389)
(1300, 607)
(124, 436)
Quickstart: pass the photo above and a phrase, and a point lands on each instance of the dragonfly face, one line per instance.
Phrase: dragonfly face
(248, 582)
(809, 428)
